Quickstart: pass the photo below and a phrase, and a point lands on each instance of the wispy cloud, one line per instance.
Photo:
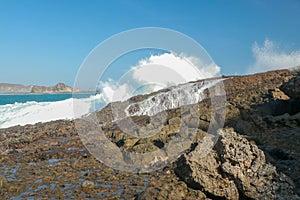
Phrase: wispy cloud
(269, 56)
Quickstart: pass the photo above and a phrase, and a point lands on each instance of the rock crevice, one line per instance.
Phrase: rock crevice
(235, 168)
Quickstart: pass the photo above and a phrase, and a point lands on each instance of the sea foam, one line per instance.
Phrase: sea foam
(33, 112)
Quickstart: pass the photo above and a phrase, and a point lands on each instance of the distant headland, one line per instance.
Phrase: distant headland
(8, 88)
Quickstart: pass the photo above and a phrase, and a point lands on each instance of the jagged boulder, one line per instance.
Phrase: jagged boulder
(292, 87)
(235, 168)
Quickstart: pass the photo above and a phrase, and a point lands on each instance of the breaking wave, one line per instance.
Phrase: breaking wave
(182, 66)
(176, 97)
(33, 112)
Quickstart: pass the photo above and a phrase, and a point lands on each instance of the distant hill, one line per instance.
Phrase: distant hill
(8, 88)
(58, 88)
(13, 88)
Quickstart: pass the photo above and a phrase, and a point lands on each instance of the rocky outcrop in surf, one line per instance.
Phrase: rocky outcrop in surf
(256, 157)
(174, 97)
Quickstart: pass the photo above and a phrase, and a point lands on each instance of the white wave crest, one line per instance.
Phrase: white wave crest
(155, 72)
(33, 112)
(270, 56)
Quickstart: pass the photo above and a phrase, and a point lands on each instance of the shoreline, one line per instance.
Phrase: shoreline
(50, 160)
(44, 93)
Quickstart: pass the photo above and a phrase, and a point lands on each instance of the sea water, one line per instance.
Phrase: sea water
(33, 108)
(23, 98)
(21, 109)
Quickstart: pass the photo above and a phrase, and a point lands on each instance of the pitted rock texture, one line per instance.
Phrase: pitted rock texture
(48, 160)
(292, 87)
(234, 169)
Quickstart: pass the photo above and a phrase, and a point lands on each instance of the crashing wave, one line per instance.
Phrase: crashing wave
(175, 97)
(33, 112)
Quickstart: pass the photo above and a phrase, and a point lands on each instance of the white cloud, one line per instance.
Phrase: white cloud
(157, 72)
(270, 57)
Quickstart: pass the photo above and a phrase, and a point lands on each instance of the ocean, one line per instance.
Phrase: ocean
(23, 98)
(25, 109)
(22, 109)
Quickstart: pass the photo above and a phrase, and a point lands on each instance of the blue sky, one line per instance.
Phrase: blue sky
(45, 42)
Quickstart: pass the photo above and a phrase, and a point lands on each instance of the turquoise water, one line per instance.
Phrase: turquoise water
(32, 108)
(23, 98)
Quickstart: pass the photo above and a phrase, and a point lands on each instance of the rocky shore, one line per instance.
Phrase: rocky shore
(257, 154)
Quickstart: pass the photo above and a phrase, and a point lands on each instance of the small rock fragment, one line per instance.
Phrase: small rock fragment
(3, 181)
(88, 184)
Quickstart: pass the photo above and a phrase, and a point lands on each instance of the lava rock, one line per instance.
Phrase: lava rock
(234, 168)
(292, 87)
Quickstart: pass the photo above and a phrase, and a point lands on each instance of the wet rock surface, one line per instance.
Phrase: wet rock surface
(62, 167)
(259, 158)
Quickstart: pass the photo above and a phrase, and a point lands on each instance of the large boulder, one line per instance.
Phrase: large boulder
(292, 87)
(235, 168)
